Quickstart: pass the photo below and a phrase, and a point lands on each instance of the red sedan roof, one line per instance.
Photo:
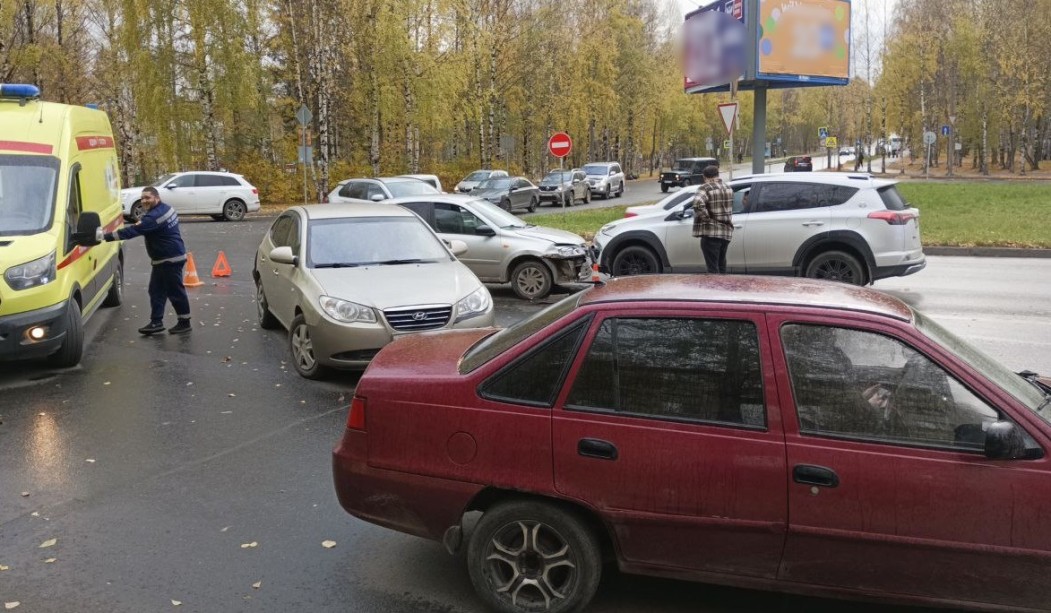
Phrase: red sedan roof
(788, 291)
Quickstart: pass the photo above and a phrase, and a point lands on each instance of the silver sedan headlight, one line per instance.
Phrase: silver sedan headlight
(40, 271)
(570, 251)
(347, 312)
(474, 304)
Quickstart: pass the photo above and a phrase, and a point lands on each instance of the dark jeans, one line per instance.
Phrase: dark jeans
(714, 250)
(166, 284)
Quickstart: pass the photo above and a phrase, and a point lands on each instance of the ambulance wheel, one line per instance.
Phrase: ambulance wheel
(234, 210)
(115, 295)
(72, 348)
(137, 211)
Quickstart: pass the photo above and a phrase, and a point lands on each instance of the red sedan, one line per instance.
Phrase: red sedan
(783, 434)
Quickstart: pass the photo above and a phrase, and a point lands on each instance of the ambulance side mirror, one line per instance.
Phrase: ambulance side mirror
(86, 227)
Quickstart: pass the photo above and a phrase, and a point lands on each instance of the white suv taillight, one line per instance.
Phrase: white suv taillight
(356, 417)
(894, 218)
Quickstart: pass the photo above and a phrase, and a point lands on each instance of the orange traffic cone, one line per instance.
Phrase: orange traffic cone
(222, 267)
(190, 278)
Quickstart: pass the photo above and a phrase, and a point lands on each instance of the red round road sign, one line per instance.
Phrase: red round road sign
(560, 145)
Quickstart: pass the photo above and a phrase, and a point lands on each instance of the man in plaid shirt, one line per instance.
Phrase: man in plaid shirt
(712, 208)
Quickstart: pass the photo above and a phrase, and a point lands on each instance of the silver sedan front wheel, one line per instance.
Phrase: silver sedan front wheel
(302, 347)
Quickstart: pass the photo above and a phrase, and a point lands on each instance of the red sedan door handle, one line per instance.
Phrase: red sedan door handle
(595, 448)
(815, 475)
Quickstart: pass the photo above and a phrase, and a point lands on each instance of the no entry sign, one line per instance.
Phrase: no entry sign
(560, 145)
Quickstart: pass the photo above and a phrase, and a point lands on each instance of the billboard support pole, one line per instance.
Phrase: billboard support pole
(759, 130)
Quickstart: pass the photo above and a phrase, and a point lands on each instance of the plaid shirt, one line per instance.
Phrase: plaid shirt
(712, 211)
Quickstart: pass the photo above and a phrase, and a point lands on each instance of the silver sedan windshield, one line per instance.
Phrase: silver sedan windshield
(361, 241)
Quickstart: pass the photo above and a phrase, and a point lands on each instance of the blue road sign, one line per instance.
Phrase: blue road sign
(945, 130)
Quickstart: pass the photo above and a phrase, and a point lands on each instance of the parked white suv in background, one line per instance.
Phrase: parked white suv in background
(223, 195)
(605, 179)
(849, 228)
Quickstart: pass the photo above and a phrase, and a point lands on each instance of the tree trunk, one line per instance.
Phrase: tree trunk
(412, 148)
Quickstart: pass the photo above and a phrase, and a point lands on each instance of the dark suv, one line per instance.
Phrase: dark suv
(799, 163)
(686, 171)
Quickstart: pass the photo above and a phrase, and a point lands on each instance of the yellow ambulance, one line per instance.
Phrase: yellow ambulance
(59, 182)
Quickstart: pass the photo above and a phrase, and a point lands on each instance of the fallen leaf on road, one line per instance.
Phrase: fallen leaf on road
(50, 560)
(227, 359)
(225, 529)
(257, 584)
(11, 605)
(91, 460)
(106, 383)
(3, 568)
(176, 603)
(48, 543)
(188, 384)
(247, 545)
(35, 514)
(232, 395)
(328, 544)
(225, 412)
(25, 494)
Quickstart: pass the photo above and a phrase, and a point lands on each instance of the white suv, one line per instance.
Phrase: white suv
(223, 195)
(605, 179)
(849, 228)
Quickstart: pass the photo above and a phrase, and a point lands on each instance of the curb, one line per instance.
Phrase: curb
(988, 252)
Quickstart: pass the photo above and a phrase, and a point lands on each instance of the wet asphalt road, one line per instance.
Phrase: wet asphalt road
(155, 462)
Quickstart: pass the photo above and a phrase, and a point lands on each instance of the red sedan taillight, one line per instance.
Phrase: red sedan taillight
(255, 192)
(628, 214)
(356, 418)
(894, 218)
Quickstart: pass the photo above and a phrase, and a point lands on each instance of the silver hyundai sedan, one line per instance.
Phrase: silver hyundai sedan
(345, 280)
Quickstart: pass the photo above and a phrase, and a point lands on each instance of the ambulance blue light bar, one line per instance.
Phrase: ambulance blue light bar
(19, 90)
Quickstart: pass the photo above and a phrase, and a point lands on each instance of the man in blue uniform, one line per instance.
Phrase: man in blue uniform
(160, 228)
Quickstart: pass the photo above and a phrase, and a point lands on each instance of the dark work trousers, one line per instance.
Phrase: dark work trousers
(166, 284)
(714, 250)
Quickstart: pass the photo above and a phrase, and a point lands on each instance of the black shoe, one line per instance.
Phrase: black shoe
(181, 328)
(152, 328)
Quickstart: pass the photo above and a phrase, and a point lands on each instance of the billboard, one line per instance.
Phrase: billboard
(714, 46)
(804, 39)
(771, 43)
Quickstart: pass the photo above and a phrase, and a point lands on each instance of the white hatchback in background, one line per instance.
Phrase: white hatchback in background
(666, 204)
(223, 195)
(378, 189)
(849, 228)
(472, 180)
(431, 180)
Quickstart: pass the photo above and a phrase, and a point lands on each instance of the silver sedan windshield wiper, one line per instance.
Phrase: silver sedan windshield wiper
(337, 265)
(406, 261)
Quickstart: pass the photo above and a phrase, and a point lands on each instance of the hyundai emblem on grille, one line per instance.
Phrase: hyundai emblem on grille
(419, 316)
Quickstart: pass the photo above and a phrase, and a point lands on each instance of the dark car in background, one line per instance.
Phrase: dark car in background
(685, 172)
(509, 193)
(782, 434)
(565, 187)
(799, 163)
